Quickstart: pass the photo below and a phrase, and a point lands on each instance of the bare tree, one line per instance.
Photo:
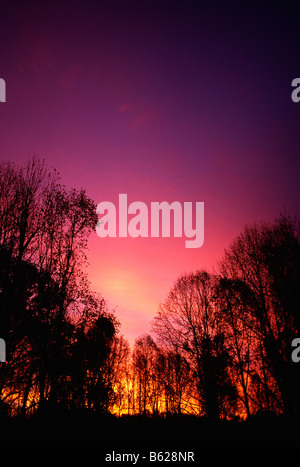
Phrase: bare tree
(45, 297)
(174, 374)
(266, 258)
(146, 380)
(188, 320)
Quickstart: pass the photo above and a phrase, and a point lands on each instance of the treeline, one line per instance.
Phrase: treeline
(220, 344)
(60, 337)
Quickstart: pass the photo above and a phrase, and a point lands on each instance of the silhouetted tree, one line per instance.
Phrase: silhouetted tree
(174, 375)
(146, 387)
(90, 383)
(223, 341)
(45, 297)
(235, 299)
(266, 258)
(188, 320)
(117, 366)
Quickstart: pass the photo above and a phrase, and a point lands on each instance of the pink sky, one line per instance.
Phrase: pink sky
(164, 102)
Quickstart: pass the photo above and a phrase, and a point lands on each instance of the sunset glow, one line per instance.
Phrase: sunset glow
(163, 104)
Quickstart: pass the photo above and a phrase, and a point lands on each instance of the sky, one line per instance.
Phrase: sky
(164, 101)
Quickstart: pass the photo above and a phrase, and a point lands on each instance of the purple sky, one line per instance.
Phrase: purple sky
(162, 101)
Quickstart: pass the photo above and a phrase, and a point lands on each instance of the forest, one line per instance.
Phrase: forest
(219, 352)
